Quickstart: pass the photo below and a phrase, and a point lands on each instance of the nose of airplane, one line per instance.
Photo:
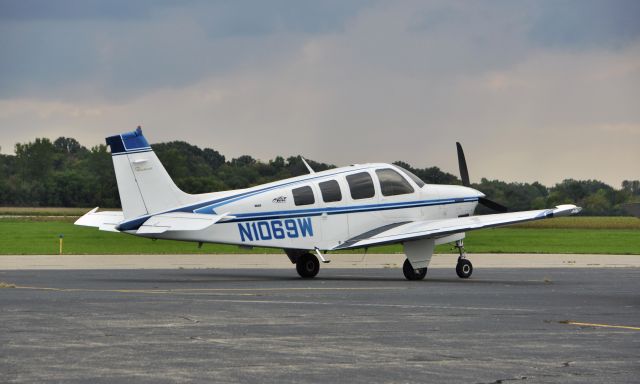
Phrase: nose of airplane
(472, 192)
(478, 193)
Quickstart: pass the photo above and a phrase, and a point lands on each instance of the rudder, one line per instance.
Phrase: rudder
(144, 185)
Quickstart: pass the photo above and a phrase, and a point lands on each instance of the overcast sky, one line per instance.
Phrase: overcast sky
(535, 91)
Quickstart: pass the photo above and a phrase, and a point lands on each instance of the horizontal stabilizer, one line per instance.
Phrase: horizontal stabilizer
(426, 229)
(179, 221)
(105, 220)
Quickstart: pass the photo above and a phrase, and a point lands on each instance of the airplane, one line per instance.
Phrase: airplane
(357, 206)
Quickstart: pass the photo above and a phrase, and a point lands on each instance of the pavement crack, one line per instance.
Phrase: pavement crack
(500, 381)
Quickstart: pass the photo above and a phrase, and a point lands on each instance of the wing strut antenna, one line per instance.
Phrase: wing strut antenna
(307, 165)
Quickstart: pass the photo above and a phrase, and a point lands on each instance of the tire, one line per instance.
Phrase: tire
(411, 273)
(464, 268)
(307, 266)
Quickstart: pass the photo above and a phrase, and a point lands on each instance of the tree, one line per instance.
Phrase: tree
(597, 203)
(68, 145)
(432, 175)
(64, 173)
(35, 159)
(633, 186)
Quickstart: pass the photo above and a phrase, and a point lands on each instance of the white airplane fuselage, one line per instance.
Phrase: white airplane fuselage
(268, 215)
(352, 207)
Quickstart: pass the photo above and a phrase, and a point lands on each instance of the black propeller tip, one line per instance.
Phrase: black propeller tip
(462, 164)
(464, 176)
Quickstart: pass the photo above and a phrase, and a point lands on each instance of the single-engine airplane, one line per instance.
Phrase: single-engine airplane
(358, 206)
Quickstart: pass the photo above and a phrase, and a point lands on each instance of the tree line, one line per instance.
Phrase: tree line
(63, 173)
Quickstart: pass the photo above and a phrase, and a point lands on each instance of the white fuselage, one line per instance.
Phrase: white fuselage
(270, 215)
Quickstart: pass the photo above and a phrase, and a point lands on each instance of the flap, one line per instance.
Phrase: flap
(401, 232)
(179, 221)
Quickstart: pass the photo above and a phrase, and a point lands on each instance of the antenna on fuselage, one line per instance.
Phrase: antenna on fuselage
(307, 165)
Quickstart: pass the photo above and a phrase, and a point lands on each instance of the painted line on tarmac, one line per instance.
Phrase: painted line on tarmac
(600, 325)
(403, 306)
(204, 290)
(244, 292)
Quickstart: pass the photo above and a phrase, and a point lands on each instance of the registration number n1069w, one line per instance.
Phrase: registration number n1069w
(275, 229)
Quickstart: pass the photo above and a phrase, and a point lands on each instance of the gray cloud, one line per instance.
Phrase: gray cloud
(120, 49)
(371, 81)
(578, 24)
(70, 10)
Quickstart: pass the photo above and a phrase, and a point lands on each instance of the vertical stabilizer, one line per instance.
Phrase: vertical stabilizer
(144, 185)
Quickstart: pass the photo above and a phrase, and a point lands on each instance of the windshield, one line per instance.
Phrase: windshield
(413, 177)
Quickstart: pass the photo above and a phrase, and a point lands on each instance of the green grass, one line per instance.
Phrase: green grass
(33, 236)
(43, 211)
(585, 222)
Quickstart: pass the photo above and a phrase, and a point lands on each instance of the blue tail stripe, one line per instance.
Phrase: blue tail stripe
(128, 142)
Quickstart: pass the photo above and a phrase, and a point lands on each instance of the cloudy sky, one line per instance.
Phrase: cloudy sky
(535, 91)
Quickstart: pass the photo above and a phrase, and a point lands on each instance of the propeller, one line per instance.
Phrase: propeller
(464, 176)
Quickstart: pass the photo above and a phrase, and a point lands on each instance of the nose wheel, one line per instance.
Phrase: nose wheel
(464, 268)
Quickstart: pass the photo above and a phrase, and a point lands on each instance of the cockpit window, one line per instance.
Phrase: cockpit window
(303, 196)
(392, 183)
(413, 177)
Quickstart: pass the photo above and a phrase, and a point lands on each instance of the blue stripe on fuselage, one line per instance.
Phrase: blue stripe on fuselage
(343, 210)
(207, 207)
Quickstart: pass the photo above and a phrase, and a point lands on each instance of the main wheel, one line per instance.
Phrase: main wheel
(464, 269)
(411, 273)
(307, 266)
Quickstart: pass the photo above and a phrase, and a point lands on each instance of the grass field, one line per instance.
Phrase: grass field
(40, 235)
(43, 211)
(585, 222)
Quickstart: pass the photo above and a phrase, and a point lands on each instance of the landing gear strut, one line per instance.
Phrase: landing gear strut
(464, 268)
(411, 273)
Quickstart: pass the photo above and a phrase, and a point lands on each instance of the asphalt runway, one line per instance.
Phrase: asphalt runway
(346, 326)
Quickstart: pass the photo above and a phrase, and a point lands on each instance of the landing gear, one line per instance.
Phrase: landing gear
(307, 265)
(411, 273)
(464, 268)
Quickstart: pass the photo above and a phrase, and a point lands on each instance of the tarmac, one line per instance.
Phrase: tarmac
(574, 320)
(262, 261)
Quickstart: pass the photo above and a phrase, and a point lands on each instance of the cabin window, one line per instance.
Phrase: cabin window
(392, 183)
(361, 185)
(303, 196)
(330, 191)
(413, 177)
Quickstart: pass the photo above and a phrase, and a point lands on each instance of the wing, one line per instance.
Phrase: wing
(414, 230)
(179, 221)
(172, 221)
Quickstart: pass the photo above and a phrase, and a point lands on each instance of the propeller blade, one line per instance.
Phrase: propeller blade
(464, 176)
(462, 164)
(493, 205)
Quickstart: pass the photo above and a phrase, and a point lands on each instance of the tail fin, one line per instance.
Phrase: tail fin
(144, 185)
